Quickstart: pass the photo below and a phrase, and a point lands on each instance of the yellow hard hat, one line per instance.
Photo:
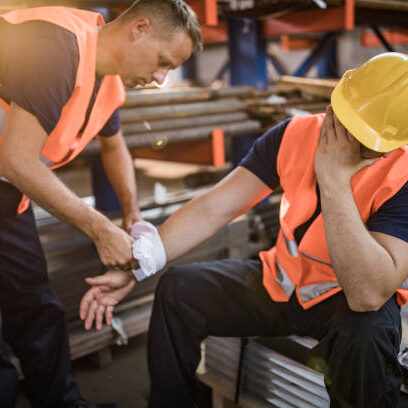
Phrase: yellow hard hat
(372, 102)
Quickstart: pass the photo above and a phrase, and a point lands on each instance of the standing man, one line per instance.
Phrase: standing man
(339, 269)
(62, 73)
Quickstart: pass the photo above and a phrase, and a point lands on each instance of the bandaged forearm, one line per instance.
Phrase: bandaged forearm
(147, 249)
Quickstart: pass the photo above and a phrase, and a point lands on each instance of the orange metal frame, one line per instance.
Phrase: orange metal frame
(393, 36)
(331, 19)
(296, 43)
(206, 11)
(318, 20)
(210, 151)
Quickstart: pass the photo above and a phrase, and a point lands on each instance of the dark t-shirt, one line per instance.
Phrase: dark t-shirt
(391, 218)
(38, 67)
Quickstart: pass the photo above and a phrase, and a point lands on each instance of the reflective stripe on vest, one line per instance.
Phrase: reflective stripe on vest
(313, 291)
(284, 281)
(316, 259)
(291, 245)
(404, 284)
(47, 162)
(3, 117)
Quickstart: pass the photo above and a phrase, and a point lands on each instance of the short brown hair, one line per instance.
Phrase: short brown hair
(170, 14)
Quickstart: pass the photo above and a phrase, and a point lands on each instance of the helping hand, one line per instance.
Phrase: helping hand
(130, 218)
(106, 292)
(114, 247)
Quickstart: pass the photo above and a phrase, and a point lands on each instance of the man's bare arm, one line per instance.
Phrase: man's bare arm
(22, 144)
(370, 266)
(192, 224)
(205, 215)
(120, 171)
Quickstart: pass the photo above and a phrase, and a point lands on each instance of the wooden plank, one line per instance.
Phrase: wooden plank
(102, 358)
(313, 86)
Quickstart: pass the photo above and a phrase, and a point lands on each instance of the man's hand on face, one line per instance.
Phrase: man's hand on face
(106, 292)
(338, 155)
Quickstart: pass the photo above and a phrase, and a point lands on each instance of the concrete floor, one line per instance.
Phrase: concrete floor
(124, 381)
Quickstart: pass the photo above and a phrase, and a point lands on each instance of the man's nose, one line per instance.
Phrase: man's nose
(159, 77)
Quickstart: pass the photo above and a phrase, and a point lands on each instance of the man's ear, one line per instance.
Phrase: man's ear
(140, 27)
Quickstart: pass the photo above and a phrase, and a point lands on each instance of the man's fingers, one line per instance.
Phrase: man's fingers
(86, 302)
(91, 315)
(98, 280)
(330, 130)
(109, 315)
(323, 130)
(340, 130)
(104, 289)
(99, 317)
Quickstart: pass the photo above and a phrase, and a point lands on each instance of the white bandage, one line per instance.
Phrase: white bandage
(147, 249)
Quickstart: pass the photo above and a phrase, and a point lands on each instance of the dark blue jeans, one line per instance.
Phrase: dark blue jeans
(33, 320)
(358, 351)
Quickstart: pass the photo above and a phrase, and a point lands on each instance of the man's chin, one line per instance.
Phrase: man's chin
(131, 83)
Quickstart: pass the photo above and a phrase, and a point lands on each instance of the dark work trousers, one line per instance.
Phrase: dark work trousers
(33, 320)
(358, 351)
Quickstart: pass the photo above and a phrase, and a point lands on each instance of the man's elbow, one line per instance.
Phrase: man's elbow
(9, 167)
(368, 301)
(14, 167)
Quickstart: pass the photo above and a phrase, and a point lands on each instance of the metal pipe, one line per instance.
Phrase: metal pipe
(179, 135)
(154, 97)
(181, 111)
(166, 124)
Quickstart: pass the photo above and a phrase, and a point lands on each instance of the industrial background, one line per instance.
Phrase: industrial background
(263, 61)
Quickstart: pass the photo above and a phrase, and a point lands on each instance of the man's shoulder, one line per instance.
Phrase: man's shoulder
(38, 31)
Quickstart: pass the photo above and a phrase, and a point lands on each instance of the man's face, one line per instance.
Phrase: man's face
(150, 57)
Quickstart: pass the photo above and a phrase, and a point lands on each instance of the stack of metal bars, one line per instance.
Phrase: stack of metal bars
(268, 378)
(157, 118)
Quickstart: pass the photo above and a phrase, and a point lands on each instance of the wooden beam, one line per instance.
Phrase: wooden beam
(313, 86)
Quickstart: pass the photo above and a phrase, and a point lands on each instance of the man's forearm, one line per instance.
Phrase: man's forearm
(360, 263)
(40, 184)
(119, 168)
(188, 227)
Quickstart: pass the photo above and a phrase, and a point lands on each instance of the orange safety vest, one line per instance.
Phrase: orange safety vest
(306, 268)
(65, 142)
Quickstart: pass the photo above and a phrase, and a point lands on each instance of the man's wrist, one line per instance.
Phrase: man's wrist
(336, 186)
(97, 225)
(132, 275)
(336, 192)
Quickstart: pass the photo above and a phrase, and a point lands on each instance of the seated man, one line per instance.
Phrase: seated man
(339, 268)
